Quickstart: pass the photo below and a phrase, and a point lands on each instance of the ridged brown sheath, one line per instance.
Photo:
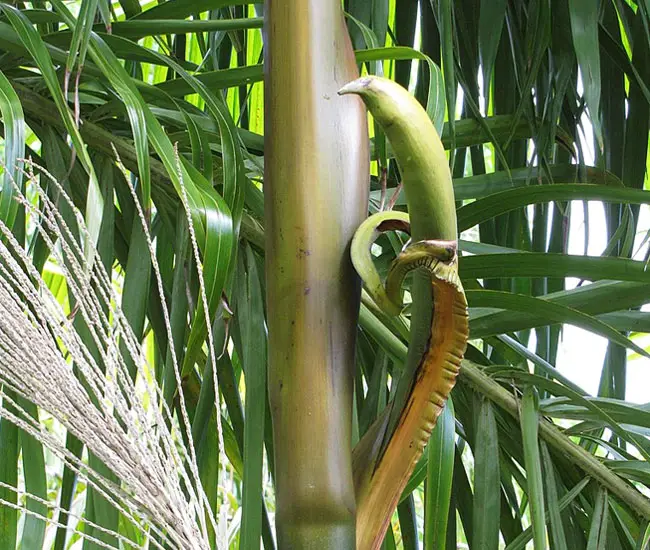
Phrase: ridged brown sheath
(315, 187)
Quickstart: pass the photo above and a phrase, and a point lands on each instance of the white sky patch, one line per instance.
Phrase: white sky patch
(581, 353)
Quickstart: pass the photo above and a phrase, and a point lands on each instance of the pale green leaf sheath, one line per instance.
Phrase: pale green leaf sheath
(385, 457)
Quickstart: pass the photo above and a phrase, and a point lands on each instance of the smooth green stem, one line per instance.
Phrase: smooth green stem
(315, 191)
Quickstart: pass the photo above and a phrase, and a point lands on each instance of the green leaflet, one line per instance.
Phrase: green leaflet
(597, 298)
(438, 485)
(183, 8)
(485, 534)
(566, 500)
(80, 38)
(13, 123)
(529, 431)
(556, 529)
(598, 531)
(536, 264)
(491, 19)
(552, 311)
(9, 476)
(500, 203)
(253, 341)
(31, 40)
(584, 28)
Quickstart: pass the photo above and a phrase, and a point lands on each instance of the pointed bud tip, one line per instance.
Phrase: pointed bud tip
(356, 86)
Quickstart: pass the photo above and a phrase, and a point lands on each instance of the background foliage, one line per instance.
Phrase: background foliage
(175, 90)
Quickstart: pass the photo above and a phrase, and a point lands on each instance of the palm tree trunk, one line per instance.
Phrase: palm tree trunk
(315, 186)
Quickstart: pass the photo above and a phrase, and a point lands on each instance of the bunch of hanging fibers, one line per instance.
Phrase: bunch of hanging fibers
(88, 389)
